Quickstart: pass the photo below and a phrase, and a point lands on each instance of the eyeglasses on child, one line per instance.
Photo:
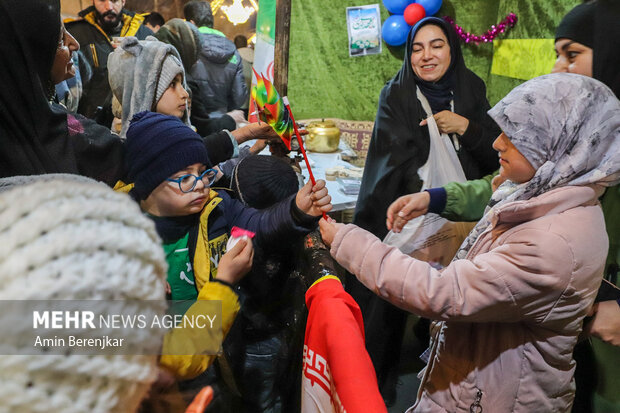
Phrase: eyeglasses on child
(187, 184)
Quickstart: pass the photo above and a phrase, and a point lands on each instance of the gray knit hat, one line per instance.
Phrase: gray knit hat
(169, 70)
(136, 73)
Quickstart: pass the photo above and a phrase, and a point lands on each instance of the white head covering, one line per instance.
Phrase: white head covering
(66, 237)
(568, 127)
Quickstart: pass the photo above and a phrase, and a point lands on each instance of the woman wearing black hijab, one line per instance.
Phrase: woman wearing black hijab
(37, 135)
(399, 147)
(587, 42)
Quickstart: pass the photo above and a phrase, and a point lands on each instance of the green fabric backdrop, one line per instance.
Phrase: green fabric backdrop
(325, 82)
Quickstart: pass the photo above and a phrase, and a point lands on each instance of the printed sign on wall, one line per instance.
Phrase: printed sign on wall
(364, 28)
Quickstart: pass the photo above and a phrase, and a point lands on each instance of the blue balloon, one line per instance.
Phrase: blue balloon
(397, 6)
(430, 6)
(395, 30)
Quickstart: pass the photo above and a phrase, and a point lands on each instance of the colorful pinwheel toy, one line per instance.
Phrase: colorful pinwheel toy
(270, 108)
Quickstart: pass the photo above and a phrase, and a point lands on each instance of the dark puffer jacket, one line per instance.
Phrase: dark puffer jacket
(218, 84)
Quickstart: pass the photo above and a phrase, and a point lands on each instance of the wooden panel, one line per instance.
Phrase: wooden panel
(283, 28)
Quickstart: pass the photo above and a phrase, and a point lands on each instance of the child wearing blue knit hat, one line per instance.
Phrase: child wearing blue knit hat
(169, 166)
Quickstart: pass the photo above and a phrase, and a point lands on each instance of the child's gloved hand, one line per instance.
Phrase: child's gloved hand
(328, 230)
(315, 260)
(236, 262)
(314, 200)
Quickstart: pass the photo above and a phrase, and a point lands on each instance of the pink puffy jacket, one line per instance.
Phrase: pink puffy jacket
(509, 313)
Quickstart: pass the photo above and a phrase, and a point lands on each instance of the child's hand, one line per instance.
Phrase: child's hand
(256, 130)
(236, 262)
(258, 146)
(406, 208)
(314, 200)
(606, 322)
(328, 230)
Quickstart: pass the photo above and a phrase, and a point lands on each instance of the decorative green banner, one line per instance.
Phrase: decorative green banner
(266, 21)
(264, 50)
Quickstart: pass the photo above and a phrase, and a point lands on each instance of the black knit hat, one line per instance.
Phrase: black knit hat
(157, 147)
(578, 25)
(260, 181)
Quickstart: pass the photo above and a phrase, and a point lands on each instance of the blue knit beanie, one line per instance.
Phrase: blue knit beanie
(157, 147)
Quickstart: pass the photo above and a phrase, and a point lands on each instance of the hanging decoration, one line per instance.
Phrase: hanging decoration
(238, 13)
(276, 111)
(396, 6)
(430, 6)
(509, 21)
(395, 30)
(414, 13)
(405, 14)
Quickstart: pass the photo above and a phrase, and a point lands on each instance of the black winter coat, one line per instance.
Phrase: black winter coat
(216, 80)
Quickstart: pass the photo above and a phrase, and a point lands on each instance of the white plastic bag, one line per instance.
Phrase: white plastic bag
(430, 237)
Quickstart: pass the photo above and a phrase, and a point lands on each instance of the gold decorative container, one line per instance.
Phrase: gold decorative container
(323, 136)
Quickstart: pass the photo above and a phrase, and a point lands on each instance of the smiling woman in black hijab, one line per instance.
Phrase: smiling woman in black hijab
(38, 136)
(399, 147)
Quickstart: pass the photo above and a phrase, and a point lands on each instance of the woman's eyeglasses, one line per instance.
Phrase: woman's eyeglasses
(187, 183)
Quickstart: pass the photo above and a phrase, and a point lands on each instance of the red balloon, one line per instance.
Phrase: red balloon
(414, 13)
